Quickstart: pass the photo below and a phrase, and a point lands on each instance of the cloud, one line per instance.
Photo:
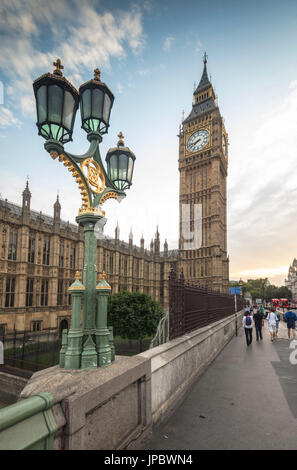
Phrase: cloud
(263, 191)
(7, 118)
(168, 43)
(74, 31)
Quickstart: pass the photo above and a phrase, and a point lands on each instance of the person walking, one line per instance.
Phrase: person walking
(277, 320)
(271, 318)
(290, 319)
(259, 322)
(248, 328)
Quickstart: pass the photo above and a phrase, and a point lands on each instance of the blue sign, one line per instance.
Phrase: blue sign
(235, 290)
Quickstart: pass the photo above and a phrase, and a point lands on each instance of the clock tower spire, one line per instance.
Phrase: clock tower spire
(203, 163)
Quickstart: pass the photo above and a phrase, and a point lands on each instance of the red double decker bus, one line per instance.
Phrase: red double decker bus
(280, 303)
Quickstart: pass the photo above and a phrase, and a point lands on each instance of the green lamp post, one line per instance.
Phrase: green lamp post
(57, 102)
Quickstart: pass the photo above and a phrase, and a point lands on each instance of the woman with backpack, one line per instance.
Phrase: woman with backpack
(248, 328)
(271, 317)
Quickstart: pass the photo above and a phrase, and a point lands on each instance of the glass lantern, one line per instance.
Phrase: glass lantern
(57, 102)
(96, 101)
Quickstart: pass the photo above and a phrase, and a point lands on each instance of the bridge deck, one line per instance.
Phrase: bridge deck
(247, 399)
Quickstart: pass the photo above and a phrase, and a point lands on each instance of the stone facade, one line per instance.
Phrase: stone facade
(39, 257)
(291, 281)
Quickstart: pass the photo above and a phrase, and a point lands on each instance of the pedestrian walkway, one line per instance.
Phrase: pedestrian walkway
(246, 399)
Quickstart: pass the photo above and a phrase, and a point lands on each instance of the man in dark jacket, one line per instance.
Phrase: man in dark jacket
(290, 319)
(259, 322)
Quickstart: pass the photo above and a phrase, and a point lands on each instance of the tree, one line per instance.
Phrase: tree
(134, 315)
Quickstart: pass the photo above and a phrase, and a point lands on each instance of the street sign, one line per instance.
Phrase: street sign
(235, 290)
(258, 301)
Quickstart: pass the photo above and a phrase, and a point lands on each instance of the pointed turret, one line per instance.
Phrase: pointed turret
(157, 242)
(166, 248)
(57, 209)
(130, 238)
(26, 198)
(117, 232)
(203, 97)
(204, 83)
(142, 243)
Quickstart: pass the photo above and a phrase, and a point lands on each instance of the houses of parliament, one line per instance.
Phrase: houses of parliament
(39, 254)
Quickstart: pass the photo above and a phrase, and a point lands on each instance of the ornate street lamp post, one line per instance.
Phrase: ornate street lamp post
(57, 101)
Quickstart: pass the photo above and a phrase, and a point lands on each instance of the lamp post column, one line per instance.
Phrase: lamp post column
(102, 332)
(73, 352)
(88, 222)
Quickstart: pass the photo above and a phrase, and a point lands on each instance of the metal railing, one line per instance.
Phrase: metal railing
(192, 307)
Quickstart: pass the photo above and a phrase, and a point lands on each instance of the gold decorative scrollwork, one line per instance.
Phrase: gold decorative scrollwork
(95, 176)
(109, 195)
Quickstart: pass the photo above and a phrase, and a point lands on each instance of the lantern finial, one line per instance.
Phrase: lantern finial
(97, 74)
(59, 67)
(121, 139)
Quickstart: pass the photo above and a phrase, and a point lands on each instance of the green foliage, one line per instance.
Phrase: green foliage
(260, 289)
(133, 315)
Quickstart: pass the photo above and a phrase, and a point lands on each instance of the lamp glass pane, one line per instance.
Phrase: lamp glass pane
(57, 131)
(113, 168)
(55, 100)
(123, 164)
(106, 108)
(86, 100)
(68, 110)
(130, 169)
(98, 97)
(41, 103)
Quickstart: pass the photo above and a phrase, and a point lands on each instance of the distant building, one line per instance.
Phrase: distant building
(291, 281)
(39, 256)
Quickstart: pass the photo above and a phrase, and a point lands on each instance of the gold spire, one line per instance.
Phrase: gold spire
(97, 74)
(77, 276)
(121, 138)
(59, 67)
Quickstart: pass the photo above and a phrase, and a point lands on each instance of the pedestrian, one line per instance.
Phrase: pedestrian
(259, 322)
(248, 328)
(290, 319)
(277, 320)
(262, 309)
(271, 317)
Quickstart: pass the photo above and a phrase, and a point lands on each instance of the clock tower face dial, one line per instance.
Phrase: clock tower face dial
(198, 140)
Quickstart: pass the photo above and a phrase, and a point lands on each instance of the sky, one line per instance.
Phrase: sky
(150, 54)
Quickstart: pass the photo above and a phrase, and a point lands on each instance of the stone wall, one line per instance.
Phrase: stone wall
(10, 387)
(177, 364)
(114, 407)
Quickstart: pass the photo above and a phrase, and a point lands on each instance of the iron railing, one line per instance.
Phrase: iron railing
(192, 307)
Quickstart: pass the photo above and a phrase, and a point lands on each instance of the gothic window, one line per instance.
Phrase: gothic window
(111, 263)
(36, 325)
(12, 248)
(29, 292)
(61, 255)
(125, 267)
(31, 251)
(60, 293)
(46, 251)
(10, 291)
(44, 293)
(72, 257)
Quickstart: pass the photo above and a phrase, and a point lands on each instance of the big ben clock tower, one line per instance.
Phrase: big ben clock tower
(203, 162)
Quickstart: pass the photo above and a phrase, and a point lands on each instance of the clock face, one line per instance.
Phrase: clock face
(198, 140)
